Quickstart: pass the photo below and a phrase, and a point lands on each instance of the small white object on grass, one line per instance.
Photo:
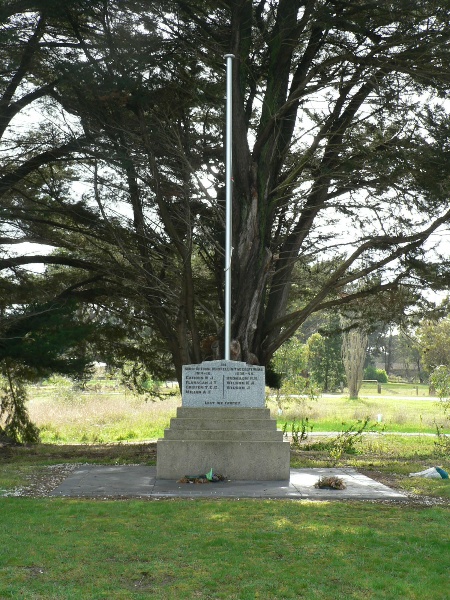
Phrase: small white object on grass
(431, 473)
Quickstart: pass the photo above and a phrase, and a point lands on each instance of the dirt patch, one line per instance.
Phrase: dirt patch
(105, 453)
(44, 478)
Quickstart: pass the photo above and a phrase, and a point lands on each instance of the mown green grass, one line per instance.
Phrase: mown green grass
(372, 448)
(13, 475)
(427, 487)
(74, 550)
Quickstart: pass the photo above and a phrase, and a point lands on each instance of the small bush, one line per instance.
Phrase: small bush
(299, 432)
(345, 442)
(274, 380)
(440, 379)
(372, 372)
(442, 444)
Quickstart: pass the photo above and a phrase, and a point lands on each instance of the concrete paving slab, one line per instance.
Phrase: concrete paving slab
(137, 481)
(101, 480)
(358, 486)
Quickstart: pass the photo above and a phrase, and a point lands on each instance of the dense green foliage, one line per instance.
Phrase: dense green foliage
(35, 342)
(434, 340)
(325, 362)
(380, 375)
(317, 362)
(47, 339)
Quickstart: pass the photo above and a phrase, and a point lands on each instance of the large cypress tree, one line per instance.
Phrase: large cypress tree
(340, 153)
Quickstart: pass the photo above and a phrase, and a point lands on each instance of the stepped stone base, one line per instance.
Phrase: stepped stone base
(240, 443)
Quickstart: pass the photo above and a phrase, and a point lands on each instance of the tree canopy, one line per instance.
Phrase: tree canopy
(434, 339)
(111, 129)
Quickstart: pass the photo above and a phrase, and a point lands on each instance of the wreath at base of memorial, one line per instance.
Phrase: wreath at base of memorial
(333, 483)
(206, 478)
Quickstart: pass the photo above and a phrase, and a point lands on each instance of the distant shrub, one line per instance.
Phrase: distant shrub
(372, 372)
(381, 376)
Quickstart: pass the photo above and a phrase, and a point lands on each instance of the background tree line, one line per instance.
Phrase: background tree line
(409, 353)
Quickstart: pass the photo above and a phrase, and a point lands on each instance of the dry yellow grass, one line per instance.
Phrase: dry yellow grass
(108, 413)
(64, 415)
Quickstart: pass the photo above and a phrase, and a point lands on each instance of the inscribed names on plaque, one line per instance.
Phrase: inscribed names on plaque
(223, 383)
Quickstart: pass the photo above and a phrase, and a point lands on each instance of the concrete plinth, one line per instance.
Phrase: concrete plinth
(240, 443)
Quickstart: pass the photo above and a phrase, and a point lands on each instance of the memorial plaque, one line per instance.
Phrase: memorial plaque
(223, 383)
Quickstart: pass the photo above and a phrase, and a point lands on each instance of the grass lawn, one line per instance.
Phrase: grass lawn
(77, 550)
(420, 390)
(72, 549)
(334, 413)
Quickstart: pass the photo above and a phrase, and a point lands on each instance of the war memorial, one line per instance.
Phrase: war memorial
(223, 425)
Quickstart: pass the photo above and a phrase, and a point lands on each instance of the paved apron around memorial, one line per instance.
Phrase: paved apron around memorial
(129, 481)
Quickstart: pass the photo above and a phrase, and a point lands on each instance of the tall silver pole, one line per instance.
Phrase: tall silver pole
(228, 204)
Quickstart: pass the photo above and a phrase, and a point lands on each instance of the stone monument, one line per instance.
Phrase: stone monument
(223, 384)
(223, 425)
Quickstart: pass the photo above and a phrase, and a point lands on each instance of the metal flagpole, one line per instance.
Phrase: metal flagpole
(228, 204)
